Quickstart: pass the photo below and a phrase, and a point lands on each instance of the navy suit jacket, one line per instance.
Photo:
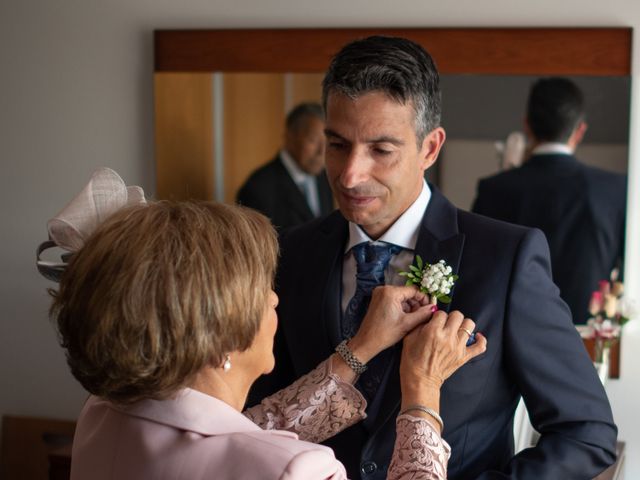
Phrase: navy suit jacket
(533, 350)
(580, 209)
(272, 191)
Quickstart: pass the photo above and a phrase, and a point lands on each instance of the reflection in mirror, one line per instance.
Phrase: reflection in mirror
(585, 239)
(248, 128)
(213, 130)
(480, 110)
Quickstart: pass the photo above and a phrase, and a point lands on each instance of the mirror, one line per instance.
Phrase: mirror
(236, 114)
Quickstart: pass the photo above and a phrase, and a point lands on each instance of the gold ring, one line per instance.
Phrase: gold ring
(466, 331)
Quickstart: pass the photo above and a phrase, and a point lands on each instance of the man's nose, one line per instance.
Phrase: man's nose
(356, 169)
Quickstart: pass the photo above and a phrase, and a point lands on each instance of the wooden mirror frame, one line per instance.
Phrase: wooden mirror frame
(495, 51)
(479, 51)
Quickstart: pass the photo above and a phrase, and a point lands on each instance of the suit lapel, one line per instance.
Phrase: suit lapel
(320, 295)
(438, 239)
(334, 232)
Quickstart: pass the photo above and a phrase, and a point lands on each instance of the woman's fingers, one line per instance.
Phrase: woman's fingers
(454, 320)
(480, 346)
(417, 317)
(465, 330)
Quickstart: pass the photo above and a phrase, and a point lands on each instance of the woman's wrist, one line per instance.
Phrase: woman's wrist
(425, 393)
(360, 349)
(428, 413)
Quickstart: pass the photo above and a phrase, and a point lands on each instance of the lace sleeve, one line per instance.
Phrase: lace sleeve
(419, 453)
(316, 406)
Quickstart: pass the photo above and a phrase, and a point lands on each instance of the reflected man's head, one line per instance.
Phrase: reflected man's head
(304, 138)
(555, 111)
(382, 104)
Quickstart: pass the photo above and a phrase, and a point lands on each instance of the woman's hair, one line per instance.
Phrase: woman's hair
(160, 291)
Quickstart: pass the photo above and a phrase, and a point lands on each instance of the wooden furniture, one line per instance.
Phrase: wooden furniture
(60, 463)
(27, 443)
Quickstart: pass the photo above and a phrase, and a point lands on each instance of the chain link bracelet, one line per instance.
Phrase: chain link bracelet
(350, 359)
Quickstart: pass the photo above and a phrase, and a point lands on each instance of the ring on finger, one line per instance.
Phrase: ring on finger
(467, 331)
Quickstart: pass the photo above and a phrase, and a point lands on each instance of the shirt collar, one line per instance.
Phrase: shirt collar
(297, 174)
(404, 232)
(551, 148)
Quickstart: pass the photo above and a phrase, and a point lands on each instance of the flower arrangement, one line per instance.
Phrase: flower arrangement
(435, 280)
(609, 312)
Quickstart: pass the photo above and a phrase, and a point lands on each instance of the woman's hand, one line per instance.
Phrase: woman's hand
(431, 353)
(392, 313)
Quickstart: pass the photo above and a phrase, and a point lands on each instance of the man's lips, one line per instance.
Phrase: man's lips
(358, 199)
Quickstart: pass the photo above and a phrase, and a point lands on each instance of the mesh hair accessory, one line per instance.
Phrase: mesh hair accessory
(105, 193)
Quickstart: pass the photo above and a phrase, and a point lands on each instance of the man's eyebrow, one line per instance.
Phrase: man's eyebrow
(383, 139)
(387, 139)
(330, 133)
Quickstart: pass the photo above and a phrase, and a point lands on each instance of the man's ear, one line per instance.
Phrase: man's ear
(431, 146)
(578, 134)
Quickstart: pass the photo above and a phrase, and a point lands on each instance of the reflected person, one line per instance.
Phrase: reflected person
(581, 209)
(292, 188)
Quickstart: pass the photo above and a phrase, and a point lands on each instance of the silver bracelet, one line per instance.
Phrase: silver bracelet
(429, 411)
(350, 359)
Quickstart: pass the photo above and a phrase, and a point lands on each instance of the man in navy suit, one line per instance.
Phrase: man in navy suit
(292, 188)
(580, 209)
(382, 104)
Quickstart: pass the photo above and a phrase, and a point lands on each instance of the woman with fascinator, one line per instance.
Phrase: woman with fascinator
(167, 314)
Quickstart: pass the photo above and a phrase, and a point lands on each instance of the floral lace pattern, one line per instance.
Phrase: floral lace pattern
(316, 406)
(419, 452)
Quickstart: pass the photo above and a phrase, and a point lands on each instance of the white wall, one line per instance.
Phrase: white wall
(75, 93)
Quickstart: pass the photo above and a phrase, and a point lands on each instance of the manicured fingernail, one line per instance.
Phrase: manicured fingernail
(434, 309)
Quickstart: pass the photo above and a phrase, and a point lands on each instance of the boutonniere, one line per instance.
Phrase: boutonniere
(435, 280)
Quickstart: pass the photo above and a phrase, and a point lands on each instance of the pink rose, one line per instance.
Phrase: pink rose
(595, 304)
(604, 286)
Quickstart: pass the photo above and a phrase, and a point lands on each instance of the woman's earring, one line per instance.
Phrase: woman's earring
(226, 366)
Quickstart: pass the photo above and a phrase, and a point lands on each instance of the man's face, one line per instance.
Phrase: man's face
(306, 145)
(374, 163)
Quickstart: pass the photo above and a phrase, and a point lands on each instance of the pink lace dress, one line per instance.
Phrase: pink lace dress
(319, 405)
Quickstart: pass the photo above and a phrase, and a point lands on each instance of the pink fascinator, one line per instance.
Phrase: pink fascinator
(105, 193)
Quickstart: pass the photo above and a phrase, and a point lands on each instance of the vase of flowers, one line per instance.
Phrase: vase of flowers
(609, 312)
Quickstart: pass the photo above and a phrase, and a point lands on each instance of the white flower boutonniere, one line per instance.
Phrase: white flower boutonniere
(435, 280)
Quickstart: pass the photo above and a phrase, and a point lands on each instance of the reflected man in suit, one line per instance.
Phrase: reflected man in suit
(581, 209)
(382, 104)
(292, 188)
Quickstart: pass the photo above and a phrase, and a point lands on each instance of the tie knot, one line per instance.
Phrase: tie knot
(370, 255)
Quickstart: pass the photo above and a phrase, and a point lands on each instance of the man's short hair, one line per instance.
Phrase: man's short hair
(159, 292)
(400, 68)
(297, 117)
(554, 110)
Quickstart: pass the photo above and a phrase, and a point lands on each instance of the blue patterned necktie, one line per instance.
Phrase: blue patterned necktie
(372, 260)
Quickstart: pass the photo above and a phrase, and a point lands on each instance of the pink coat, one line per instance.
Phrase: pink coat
(193, 436)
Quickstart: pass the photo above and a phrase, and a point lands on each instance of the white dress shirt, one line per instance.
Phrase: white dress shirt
(403, 233)
(305, 182)
(548, 148)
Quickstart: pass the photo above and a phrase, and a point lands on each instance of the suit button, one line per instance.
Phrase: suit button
(367, 468)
